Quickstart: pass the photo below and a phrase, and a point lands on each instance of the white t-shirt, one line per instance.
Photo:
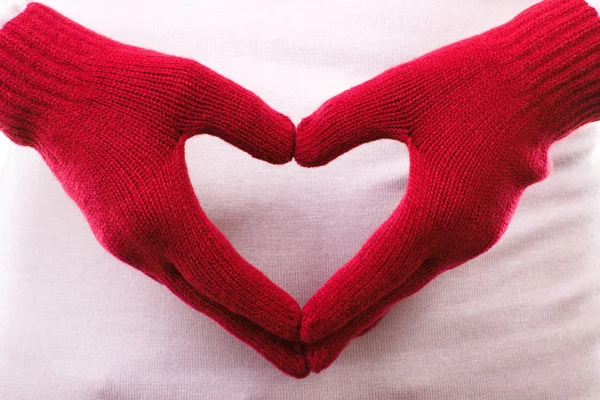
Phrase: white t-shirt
(521, 321)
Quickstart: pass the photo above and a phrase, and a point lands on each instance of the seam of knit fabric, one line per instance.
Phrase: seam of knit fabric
(10, 9)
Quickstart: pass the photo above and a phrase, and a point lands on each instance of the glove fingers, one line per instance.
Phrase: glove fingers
(370, 326)
(209, 262)
(322, 354)
(425, 274)
(286, 356)
(238, 116)
(356, 116)
(213, 267)
(388, 257)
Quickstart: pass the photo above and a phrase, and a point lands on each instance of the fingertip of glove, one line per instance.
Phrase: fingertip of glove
(292, 330)
(317, 358)
(299, 367)
(283, 142)
(309, 332)
(306, 149)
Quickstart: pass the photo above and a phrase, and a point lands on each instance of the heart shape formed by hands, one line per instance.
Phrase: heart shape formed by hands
(478, 118)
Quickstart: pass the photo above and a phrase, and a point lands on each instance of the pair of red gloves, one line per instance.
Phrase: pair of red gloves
(478, 118)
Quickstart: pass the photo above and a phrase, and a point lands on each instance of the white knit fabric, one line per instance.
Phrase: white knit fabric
(10, 9)
(594, 3)
(522, 321)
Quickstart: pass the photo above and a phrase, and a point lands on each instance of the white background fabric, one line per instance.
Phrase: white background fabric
(9, 9)
(594, 3)
(521, 321)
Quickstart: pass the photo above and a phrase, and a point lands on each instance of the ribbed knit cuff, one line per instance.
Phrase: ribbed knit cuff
(43, 60)
(10, 9)
(554, 46)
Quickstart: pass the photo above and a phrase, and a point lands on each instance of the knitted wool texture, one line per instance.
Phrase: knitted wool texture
(478, 118)
(111, 120)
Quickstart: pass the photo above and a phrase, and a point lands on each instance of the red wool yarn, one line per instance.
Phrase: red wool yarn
(111, 120)
(478, 118)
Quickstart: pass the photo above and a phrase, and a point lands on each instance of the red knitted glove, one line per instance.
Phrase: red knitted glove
(111, 120)
(478, 118)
